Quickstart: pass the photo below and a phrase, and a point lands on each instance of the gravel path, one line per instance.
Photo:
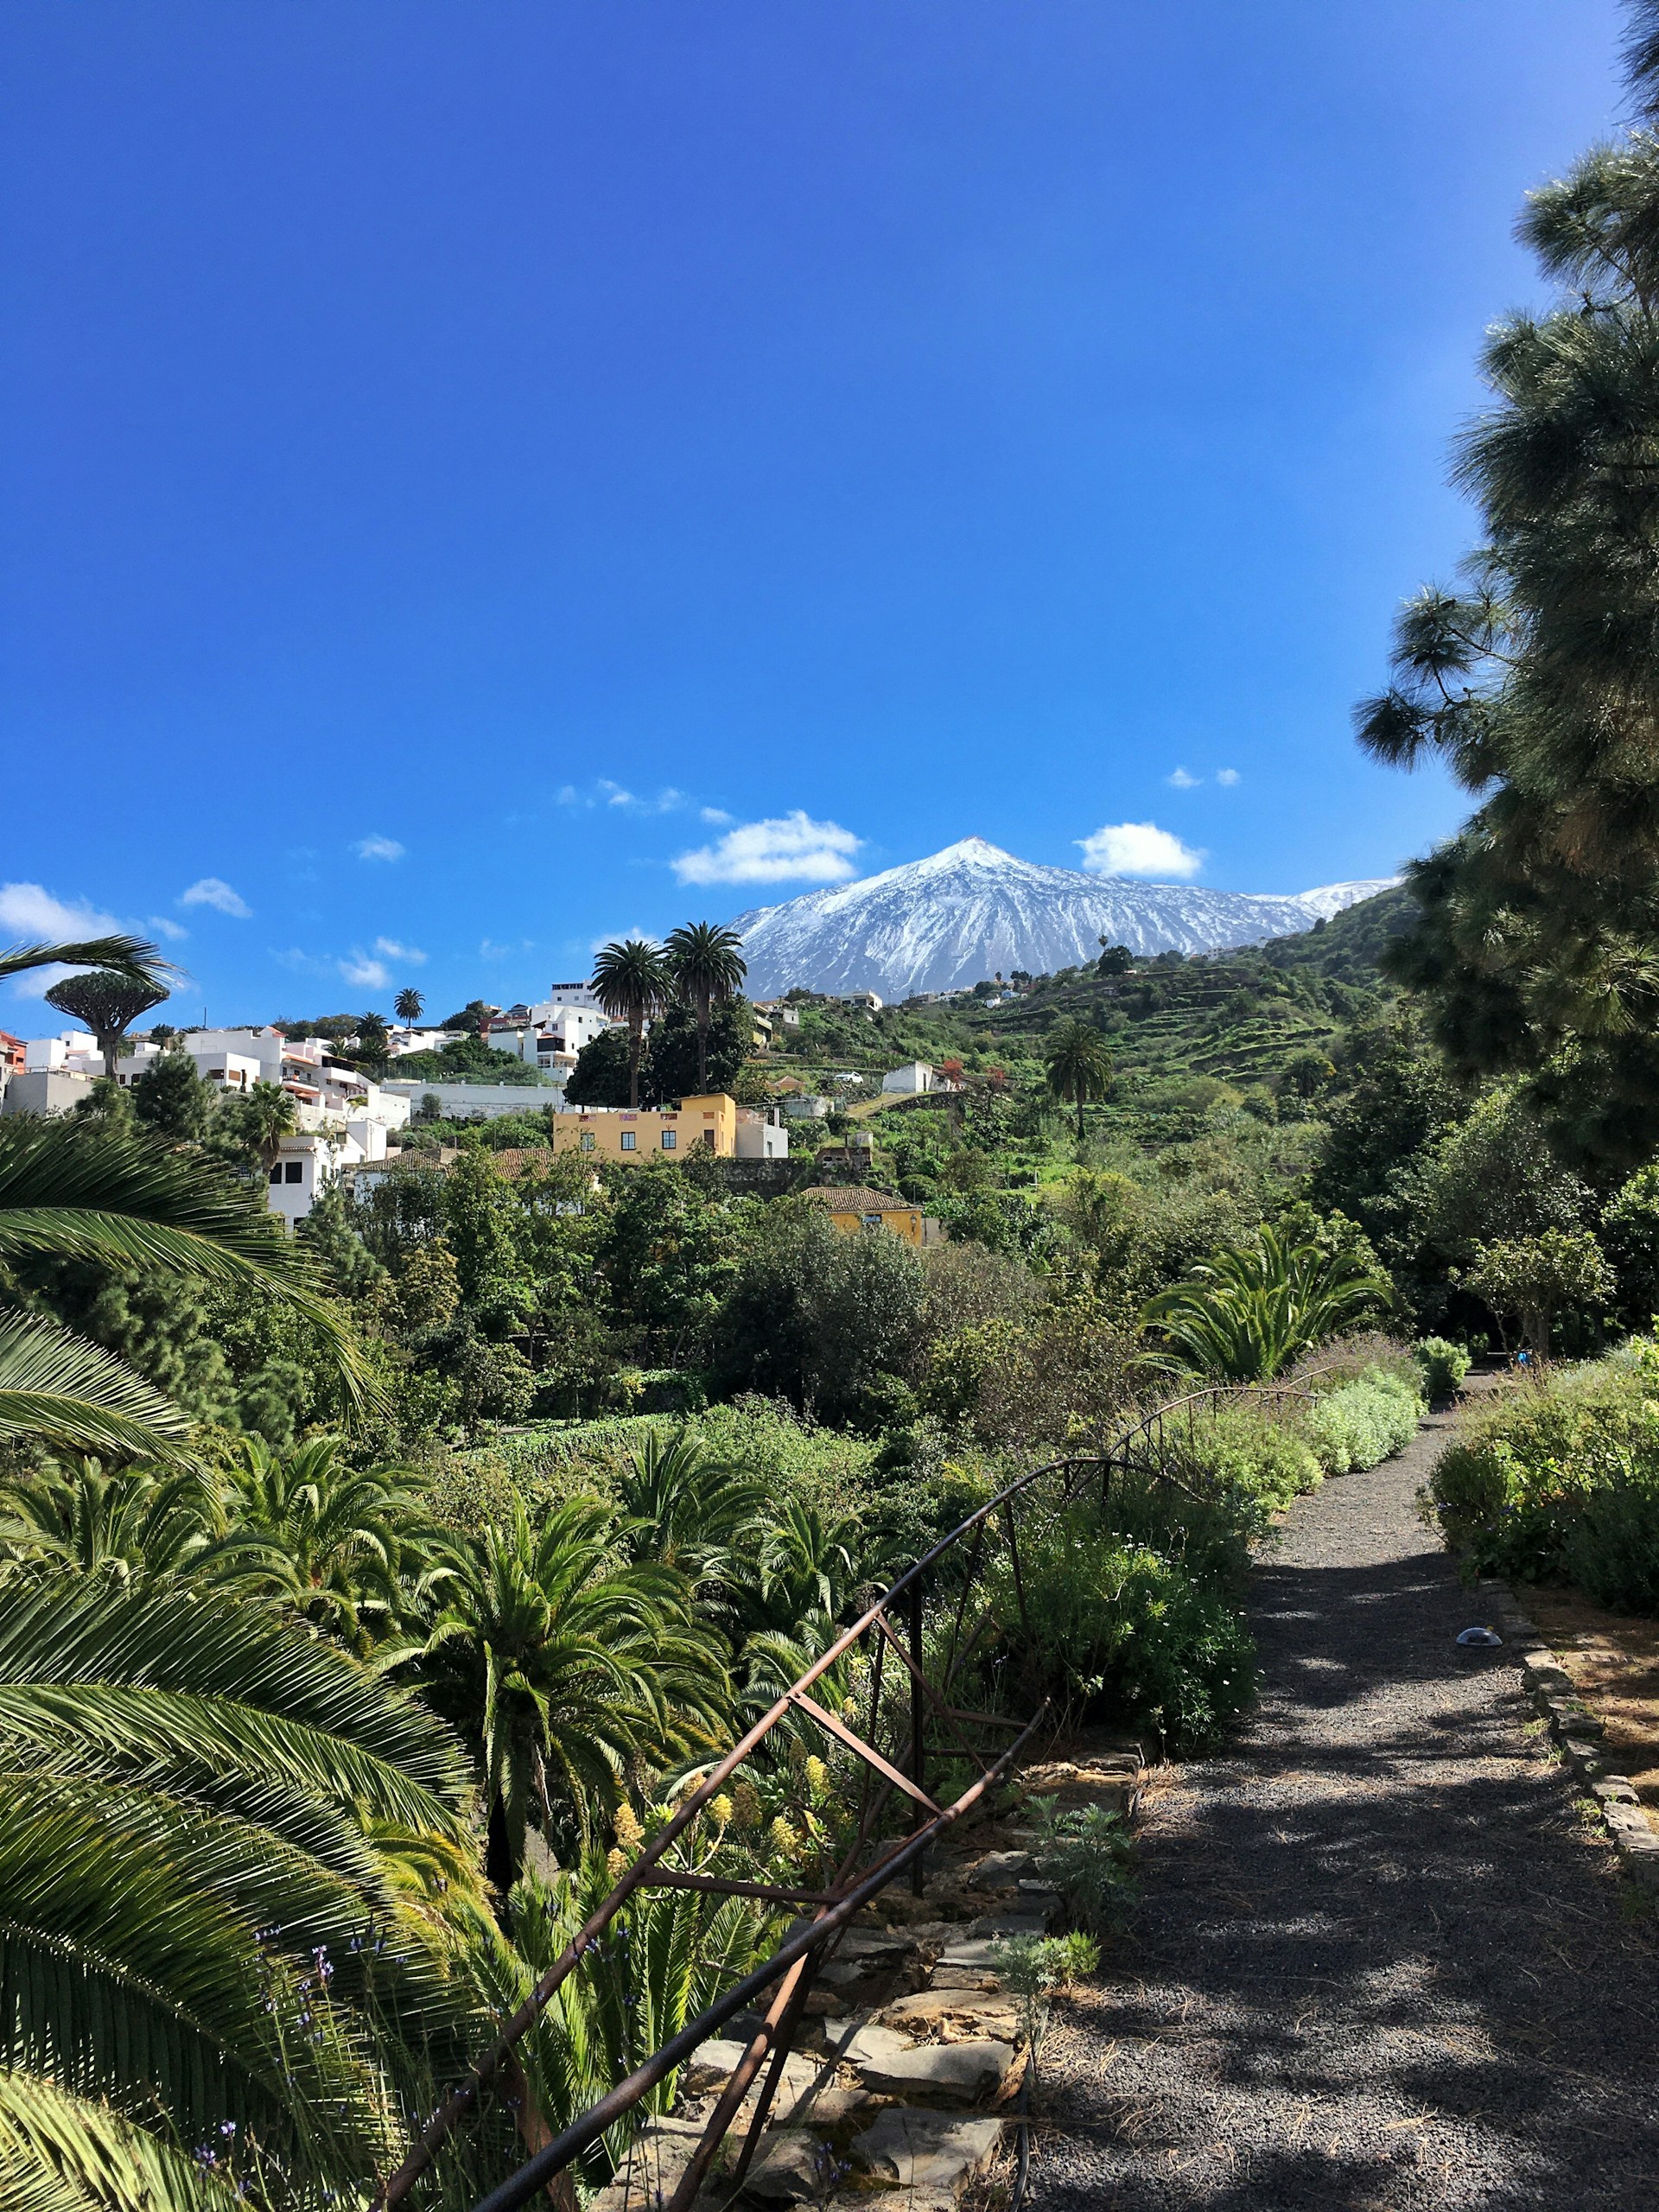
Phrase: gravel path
(1380, 1961)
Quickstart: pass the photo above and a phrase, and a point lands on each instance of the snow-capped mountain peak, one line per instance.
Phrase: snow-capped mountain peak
(974, 909)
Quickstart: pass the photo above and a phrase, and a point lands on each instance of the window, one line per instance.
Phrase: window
(294, 1171)
(872, 1221)
(587, 1139)
(276, 1173)
(708, 1139)
(670, 1138)
(628, 1140)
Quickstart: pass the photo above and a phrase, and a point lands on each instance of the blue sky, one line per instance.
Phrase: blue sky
(479, 478)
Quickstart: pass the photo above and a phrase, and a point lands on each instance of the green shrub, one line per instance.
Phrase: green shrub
(1612, 1551)
(1443, 1365)
(1361, 1422)
(1260, 1456)
(1111, 1629)
(1555, 1478)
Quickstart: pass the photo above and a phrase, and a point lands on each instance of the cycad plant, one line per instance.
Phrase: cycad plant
(633, 984)
(708, 968)
(674, 1954)
(565, 1665)
(1246, 1314)
(221, 1932)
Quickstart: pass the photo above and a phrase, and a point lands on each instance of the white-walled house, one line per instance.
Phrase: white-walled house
(914, 1077)
(311, 1160)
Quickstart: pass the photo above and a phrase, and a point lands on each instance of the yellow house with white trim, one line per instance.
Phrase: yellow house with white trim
(621, 1132)
(854, 1207)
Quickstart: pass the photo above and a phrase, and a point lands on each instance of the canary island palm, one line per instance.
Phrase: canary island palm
(687, 1510)
(564, 1665)
(120, 1522)
(1078, 1066)
(633, 984)
(707, 965)
(342, 1546)
(207, 1917)
(1250, 1311)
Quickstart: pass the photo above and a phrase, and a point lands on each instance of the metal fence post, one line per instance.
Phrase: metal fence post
(918, 1723)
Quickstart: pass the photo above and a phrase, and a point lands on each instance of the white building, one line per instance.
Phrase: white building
(481, 1101)
(552, 1035)
(311, 1160)
(343, 1116)
(914, 1077)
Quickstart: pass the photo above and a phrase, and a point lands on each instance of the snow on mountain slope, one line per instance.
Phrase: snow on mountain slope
(974, 909)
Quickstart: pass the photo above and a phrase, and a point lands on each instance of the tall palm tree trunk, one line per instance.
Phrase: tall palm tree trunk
(636, 1043)
(704, 1009)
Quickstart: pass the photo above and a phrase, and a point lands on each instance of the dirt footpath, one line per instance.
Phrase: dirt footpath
(1381, 1960)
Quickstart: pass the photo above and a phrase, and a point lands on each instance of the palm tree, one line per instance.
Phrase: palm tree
(686, 1510)
(1079, 1067)
(633, 984)
(1246, 1314)
(106, 1002)
(268, 1114)
(70, 1189)
(122, 1524)
(212, 1840)
(707, 964)
(565, 1666)
(409, 1006)
(338, 1546)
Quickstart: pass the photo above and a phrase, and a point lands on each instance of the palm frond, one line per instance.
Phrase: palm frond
(57, 1386)
(133, 957)
(126, 1197)
(63, 2153)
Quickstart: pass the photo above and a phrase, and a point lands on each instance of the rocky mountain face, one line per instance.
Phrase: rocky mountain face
(975, 910)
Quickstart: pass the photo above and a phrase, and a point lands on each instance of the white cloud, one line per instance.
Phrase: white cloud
(393, 950)
(376, 847)
(1137, 849)
(30, 915)
(213, 891)
(621, 937)
(566, 795)
(1228, 775)
(667, 801)
(163, 927)
(789, 848)
(358, 968)
(1181, 781)
(717, 816)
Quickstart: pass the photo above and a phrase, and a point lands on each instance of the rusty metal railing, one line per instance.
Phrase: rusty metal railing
(891, 1632)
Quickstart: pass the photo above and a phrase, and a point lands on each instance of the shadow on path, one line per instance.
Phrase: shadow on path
(1381, 1962)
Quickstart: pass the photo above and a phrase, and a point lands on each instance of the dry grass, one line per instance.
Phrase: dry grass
(1614, 1663)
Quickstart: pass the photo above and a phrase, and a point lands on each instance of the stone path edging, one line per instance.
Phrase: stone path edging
(1579, 1731)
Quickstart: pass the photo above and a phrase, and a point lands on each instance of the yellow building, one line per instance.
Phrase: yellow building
(854, 1207)
(618, 1133)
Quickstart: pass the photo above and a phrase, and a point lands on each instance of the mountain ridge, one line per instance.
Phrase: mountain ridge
(972, 910)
